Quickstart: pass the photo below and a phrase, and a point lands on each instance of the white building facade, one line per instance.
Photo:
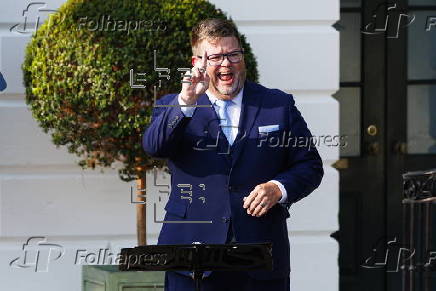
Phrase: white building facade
(45, 196)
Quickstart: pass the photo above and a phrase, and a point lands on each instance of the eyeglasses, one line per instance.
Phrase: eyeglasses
(217, 59)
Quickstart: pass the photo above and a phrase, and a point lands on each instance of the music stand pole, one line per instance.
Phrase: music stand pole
(198, 276)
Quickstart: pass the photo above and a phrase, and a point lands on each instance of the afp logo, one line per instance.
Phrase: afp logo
(390, 19)
(37, 254)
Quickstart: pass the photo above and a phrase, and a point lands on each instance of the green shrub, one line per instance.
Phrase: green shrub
(77, 74)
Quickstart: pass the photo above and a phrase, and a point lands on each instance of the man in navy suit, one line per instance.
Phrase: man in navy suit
(239, 155)
(2, 83)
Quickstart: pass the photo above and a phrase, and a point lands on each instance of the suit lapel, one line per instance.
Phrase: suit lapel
(251, 103)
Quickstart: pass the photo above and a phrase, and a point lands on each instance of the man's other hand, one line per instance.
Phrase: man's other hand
(262, 198)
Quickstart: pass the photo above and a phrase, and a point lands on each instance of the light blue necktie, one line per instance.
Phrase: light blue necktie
(225, 123)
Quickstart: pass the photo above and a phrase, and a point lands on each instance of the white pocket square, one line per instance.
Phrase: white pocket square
(268, 128)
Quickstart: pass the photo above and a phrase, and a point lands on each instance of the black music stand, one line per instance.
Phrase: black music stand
(198, 258)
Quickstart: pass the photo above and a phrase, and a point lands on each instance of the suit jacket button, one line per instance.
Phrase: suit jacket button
(225, 219)
(231, 188)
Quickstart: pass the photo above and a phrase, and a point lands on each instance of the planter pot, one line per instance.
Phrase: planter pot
(109, 278)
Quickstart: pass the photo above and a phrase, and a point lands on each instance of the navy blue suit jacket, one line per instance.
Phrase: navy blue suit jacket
(2, 83)
(221, 175)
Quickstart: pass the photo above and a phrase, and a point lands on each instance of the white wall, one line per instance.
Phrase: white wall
(43, 192)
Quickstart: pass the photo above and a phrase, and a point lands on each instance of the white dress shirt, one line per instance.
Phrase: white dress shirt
(234, 112)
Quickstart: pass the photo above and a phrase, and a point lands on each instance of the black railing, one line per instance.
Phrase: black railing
(419, 214)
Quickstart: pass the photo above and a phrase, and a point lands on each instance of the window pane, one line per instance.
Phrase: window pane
(422, 46)
(349, 27)
(421, 119)
(349, 102)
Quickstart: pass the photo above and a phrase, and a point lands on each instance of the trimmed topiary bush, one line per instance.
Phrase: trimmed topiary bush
(77, 74)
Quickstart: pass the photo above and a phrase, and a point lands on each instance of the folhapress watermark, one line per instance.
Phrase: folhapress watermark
(106, 23)
(32, 18)
(431, 23)
(285, 139)
(395, 257)
(391, 18)
(105, 257)
(186, 191)
(37, 255)
(388, 18)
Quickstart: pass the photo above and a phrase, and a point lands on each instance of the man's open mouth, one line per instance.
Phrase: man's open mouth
(226, 77)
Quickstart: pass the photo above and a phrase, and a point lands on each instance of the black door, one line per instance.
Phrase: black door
(362, 166)
(388, 116)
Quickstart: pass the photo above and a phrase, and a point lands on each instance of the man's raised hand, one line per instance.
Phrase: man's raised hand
(195, 82)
